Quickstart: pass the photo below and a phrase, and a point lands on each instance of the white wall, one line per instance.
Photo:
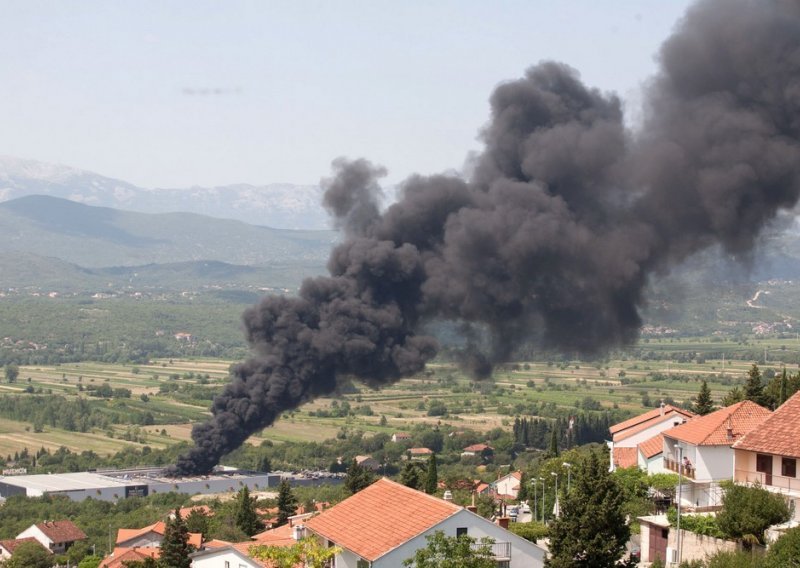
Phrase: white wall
(666, 423)
(33, 531)
(524, 554)
(508, 485)
(713, 463)
(216, 559)
(148, 540)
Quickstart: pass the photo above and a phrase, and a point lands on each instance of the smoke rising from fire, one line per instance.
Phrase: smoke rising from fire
(554, 236)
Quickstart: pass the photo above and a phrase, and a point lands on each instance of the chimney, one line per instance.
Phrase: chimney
(661, 408)
(503, 522)
(472, 509)
(729, 429)
(298, 532)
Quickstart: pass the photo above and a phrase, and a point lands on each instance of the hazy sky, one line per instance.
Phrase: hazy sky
(176, 93)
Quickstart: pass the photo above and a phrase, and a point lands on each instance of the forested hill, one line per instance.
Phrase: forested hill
(92, 237)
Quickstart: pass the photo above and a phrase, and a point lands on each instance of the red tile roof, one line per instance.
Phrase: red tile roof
(420, 451)
(380, 518)
(712, 429)
(124, 535)
(779, 434)
(625, 457)
(13, 543)
(478, 448)
(652, 447)
(122, 555)
(61, 531)
(650, 415)
(281, 536)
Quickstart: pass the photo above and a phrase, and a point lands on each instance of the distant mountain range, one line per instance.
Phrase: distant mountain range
(53, 239)
(278, 205)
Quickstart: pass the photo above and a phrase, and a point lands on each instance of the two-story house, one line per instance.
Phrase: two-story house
(700, 450)
(768, 454)
(627, 435)
(386, 523)
(55, 536)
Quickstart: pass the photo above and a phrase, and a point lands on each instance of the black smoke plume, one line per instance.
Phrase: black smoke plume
(554, 236)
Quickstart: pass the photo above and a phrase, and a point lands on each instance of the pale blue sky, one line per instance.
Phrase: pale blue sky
(103, 85)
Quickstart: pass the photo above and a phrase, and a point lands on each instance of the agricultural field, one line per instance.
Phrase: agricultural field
(156, 404)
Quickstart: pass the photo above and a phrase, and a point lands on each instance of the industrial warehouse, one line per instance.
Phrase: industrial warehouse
(112, 485)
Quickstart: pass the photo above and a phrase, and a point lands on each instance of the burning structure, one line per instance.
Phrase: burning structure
(555, 233)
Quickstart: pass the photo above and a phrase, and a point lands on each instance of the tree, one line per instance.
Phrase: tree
(703, 404)
(524, 482)
(412, 475)
(12, 372)
(733, 396)
(197, 522)
(175, 547)
(553, 450)
(306, 552)
(783, 393)
(357, 478)
(90, 562)
(754, 388)
(30, 555)
(431, 476)
(453, 552)
(785, 551)
(591, 531)
(287, 504)
(748, 511)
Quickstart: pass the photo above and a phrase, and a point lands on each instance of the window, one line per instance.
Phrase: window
(362, 564)
(461, 531)
(503, 564)
(789, 467)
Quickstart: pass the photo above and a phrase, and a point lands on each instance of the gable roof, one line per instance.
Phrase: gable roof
(712, 429)
(648, 416)
(61, 531)
(380, 518)
(124, 535)
(478, 448)
(625, 457)
(652, 446)
(670, 415)
(420, 451)
(12, 543)
(280, 536)
(779, 434)
(123, 554)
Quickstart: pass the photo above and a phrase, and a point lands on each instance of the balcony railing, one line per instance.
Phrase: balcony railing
(769, 481)
(672, 465)
(500, 550)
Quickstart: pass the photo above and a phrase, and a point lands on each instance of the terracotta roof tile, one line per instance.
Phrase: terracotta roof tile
(420, 451)
(122, 555)
(655, 413)
(478, 448)
(712, 429)
(380, 518)
(13, 543)
(61, 531)
(281, 536)
(667, 419)
(625, 457)
(125, 535)
(779, 434)
(652, 446)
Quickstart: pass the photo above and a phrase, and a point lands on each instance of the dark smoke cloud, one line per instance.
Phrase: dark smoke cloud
(565, 217)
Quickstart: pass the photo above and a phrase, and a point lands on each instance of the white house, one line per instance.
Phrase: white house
(8, 546)
(508, 485)
(150, 536)
(705, 443)
(768, 454)
(650, 454)
(387, 523)
(55, 536)
(627, 435)
(237, 555)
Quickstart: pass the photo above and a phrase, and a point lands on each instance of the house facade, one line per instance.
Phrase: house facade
(386, 523)
(55, 536)
(508, 485)
(769, 454)
(701, 451)
(627, 435)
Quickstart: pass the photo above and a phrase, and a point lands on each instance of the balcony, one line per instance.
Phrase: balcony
(681, 469)
(770, 481)
(500, 550)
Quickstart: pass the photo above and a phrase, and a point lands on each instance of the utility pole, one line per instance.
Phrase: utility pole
(569, 474)
(680, 487)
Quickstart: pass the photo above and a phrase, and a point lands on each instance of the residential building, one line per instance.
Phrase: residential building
(368, 462)
(237, 555)
(700, 450)
(483, 451)
(507, 487)
(768, 454)
(401, 437)
(650, 454)
(384, 524)
(627, 435)
(7, 547)
(150, 536)
(55, 536)
(420, 454)
(121, 557)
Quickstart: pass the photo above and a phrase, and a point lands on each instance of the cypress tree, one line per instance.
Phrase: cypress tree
(287, 503)
(175, 547)
(784, 391)
(591, 531)
(703, 404)
(431, 476)
(357, 478)
(754, 389)
(553, 451)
